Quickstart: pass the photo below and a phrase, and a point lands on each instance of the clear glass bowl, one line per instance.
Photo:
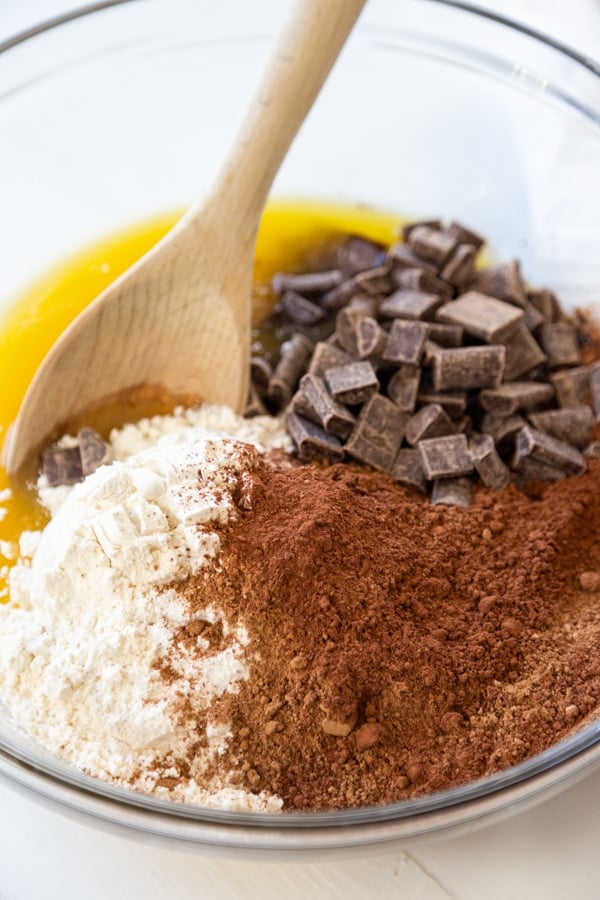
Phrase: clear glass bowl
(434, 108)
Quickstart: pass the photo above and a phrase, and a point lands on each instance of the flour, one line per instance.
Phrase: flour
(92, 615)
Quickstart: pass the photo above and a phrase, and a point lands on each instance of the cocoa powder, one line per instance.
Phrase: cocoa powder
(398, 648)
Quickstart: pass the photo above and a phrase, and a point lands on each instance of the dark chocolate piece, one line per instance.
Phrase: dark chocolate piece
(429, 422)
(530, 469)
(254, 404)
(459, 269)
(546, 304)
(572, 386)
(410, 226)
(445, 335)
(260, 374)
(407, 470)
(445, 457)
(561, 344)
(465, 235)
(360, 335)
(542, 448)
(503, 281)
(509, 397)
(301, 405)
(420, 279)
(357, 254)
(62, 465)
(299, 309)
(468, 367)
(92, 450)
(311, 441)
(403, 387)
(503, 430)
(295, 355)
(378, 433)
(402, 257)
(574, 425)
(353, 383)
(327, 356)
(405, 342)
(332, 416)
(523, 353)
(454, 402)
(374, 281)
(432, 244)
(483, 317)
(592, 451)
(452, 492)
(364, 304)
(595, 389)
(488, 465)
(406, 304)
(309, 284)
(339, 296)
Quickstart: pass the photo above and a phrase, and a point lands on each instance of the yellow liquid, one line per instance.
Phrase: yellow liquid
(29, 326)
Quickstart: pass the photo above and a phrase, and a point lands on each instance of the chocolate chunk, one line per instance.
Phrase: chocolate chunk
(592, 451)
(309, 284)
(332, 416)
(445, 335)
(508, 398)
(408, 470)
(445, 457)
(410, 226)
(260, 374)
(378, 433)
(406, 304)
(533, 319)
(561, 344)
(374, 281)
(481, 316)
(357, 254)
(254, 404)
(299, 309)
(464, 235)
(468, 367)
(452, 492)
(361, 336)
(488, 465)
(595, 389)
(503, 430)
(503, 281)
(339, 296)
(62, 465)
(402, 257)
(574, 425)
(546, 304)
(295, 355)
(458, 271)
(92, 450)
(453, 402)
(542, 448)
(353, 383)
(530, 469)
(364, 304)
(301, 405)
(432, 244)
(311, 441)
(523, 353)
(429, 422)
(421, 279)
(572, 386)
(327, 356)
(405, 342)
(403, 387)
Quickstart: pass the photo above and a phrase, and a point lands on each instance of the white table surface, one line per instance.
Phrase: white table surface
(547, 853)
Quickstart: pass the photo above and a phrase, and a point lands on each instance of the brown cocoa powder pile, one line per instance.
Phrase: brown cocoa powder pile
(398, 648)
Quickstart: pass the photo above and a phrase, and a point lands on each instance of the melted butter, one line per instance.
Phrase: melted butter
(290, 231)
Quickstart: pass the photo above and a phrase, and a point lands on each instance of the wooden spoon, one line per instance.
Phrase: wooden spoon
(180, 317)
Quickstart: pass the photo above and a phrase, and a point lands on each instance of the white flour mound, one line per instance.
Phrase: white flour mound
(91, 615)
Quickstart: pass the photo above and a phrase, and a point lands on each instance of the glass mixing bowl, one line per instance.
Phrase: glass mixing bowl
(434, 109)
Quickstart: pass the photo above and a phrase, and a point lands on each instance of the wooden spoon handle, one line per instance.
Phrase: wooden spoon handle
(302, 57)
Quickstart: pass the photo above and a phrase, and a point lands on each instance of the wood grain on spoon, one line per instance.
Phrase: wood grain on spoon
(180, 317)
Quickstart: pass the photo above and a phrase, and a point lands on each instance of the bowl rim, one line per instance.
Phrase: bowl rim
(438, 811)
